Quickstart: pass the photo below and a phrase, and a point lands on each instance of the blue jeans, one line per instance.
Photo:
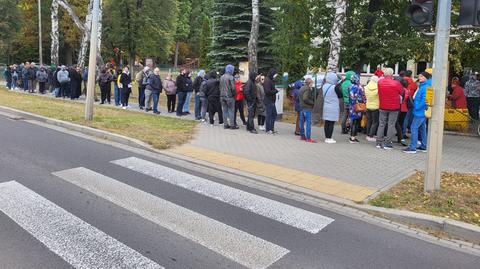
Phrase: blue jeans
(407, 123)
(182, 96)
(186, 105)
(198, 107)
(271, 116)
(306, 116)
(418, 127)
(25, 84)
(116, 93)
(155, 96)
(14, 83)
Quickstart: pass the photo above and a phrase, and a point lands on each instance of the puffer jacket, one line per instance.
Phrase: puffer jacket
(371, 93)
(419, 100)
(170, 87)
(346, 86)
(42, 76)
(154, 83)
(389, 92)
(63, 76)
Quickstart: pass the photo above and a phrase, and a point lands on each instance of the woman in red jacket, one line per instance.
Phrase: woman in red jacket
(457, 97)
(239, 97)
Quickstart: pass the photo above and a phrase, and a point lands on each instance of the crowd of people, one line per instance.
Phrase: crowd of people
(385, 109)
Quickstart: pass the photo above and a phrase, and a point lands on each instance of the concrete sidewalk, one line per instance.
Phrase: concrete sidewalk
(349, 171)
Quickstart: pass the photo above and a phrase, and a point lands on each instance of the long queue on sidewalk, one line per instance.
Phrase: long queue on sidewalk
(387, 107)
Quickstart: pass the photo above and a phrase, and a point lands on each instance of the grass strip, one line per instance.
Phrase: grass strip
(159, 131)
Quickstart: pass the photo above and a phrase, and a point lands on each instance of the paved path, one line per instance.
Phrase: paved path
(348, 171)
(71, 202)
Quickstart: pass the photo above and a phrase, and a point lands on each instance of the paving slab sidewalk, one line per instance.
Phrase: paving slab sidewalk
(350, 171)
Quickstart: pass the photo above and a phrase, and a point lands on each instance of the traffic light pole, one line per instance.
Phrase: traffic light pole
(439, 83)
(92, 62)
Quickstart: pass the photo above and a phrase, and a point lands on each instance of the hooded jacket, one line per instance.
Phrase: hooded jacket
(346, 86)
(198, 81)
(63, 76)
(154, 83)
(184, 83)
(371, 93)
(212, 88)
(331, 102)
(250, 89)
(227, 83)
(472, 87)
(42, 75)
(419, 100)
(269, 87)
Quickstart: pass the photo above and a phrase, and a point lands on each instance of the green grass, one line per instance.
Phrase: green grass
(158, 131)
(458, 198)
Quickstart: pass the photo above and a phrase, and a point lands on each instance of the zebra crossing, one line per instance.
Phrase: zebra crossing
(84, 246)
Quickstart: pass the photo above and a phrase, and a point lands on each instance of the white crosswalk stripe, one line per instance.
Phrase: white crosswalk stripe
(239, 246)
(280, 212)
(75, 241)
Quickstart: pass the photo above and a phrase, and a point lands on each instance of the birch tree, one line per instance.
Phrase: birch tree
(253, 42)
(86, 36)
(336, 34)
(54, 33)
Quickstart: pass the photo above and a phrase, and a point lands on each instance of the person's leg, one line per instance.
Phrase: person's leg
(148, 100)
(223, 104)
(204, 107)
(470, 104)
(374, 128)
(476, 108)
(369, 121)
(302, 124)
(274, 116)
(308, 116)
(297, 123)
(345, 115)
(231, 110)
(141, 96)
(155, 102)
(198, 107)
(392, 120)
(169, 103)
(25, 84)
(218, 109)
(186, 104)
(181, 102)
(211, 112)
(416, 123)
(128, 97)
(237, 108)
(330, 127)
(116, 93)
(241, 108)
(102, 94)
(398, 128)
(251, 114)
(353, 128)
(383, 117)
(108, 88)
(42, 87)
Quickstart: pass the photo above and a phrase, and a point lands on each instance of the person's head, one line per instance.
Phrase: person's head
(63, 67)
(424, 76)
(388, 72)
(355, 79)
(429, 70)
(309, 82)
(262, 79)
(169, 76)
(252, 75)
(272, 73)
(78, 69)
(402, 74)
(126, 70)
(156, 71)
(408, 73)
(103, 71)
(201, 73)
(212, 74)
(331, 78)
(183, 71)
(455, 81)
(374, 79)
(229, 69)
(32, 65)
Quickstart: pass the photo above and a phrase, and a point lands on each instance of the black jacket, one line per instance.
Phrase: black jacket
(250, 89)
(212, 88)
(269, 88)
(184, 84)
(154, 83)
(197, 83)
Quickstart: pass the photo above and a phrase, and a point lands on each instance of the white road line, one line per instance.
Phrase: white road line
(239, 246)
(280, 212)
(75, 241)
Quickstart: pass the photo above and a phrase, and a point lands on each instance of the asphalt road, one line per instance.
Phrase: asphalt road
(72, 202)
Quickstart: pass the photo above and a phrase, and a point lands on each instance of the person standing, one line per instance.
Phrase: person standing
(212, 93)
(295, 98)
(197, 83)
(457, 96)
(116, 87)
(15, 77)
(104, 82)
(32, 78)
(171, 92)
(188, 98)
(25, 77)
(203, 100)
(419, 122)
(411, 88)
(184, 84)
(7, 74)
(373, 105)
(125, 87)
(331, 105)
(64, 80)
(227, 97)
(270, 99)
(42, 77)
(239, 101)
(76, 83)
(346, 93)
(307, 101)
(141, 79)
(153, 90)
(357, 105)
(472, 92)
(56, 84)
(250, 93)
(389, 92)
(260, 103)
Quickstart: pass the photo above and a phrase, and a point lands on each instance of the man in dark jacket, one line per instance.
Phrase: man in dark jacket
(32, 78)
(153, 90)
(250, 92)
(184, 84)
(227, 97)
(196, 87)
(270, 99)
(307, 101)
(212, 93)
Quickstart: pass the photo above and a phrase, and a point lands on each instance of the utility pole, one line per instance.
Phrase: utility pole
(439, 83)
(40, 49)
(92, 62)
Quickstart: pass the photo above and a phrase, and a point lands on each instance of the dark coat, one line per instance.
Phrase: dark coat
(250, 89)
(154, 83)
(269, 88)
(212, 89)
(184, 84)
(126, 82)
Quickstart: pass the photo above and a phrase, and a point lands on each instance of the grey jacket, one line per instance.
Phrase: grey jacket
(62, 76)
(227, 86)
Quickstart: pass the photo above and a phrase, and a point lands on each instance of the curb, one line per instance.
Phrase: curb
(457, 229)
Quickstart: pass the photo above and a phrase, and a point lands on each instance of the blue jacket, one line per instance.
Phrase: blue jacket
(419, 101)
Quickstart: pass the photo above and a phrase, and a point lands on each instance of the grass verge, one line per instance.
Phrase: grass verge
(459, 197)
(158, 131)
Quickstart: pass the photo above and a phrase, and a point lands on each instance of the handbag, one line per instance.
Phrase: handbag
(360, 107)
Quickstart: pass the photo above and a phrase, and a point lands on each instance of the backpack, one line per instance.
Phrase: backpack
(145, 78)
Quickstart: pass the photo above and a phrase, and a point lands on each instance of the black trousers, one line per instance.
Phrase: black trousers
(214, 106)
(399, 124)
(125, 95)
(105, 92)
(473, 104)
(65, 89)
(42, 87)
(328, 128)
(354, 126)
(372, 122)
(261, 120)
(251, 115)
(171, 100)
(240, 108)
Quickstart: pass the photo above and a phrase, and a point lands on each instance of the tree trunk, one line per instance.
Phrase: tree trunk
(177, 48)
(86, 37)
(99, 43)
(71, 12)
(54, 34)
(336, 34)
(253, 42)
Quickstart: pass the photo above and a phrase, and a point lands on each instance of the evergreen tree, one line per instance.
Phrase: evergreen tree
(8, 28)
(205, 43)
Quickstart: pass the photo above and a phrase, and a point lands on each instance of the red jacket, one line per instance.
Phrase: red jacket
(412, 86)
(239, 90)
(404, 107)
(389, 92)
(458, 98)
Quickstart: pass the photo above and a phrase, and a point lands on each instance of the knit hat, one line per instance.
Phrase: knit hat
(426, 74)
(429, 70)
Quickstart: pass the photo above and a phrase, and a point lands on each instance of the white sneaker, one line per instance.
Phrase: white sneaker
(124, 107)
(330, 141)
(371, 139)
(261, 128)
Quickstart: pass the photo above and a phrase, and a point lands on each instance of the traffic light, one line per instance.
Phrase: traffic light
(469, 14)
(420, 13)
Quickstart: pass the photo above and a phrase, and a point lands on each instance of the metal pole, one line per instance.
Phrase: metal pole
(439, 83)
(40, 49)
(92, 62)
